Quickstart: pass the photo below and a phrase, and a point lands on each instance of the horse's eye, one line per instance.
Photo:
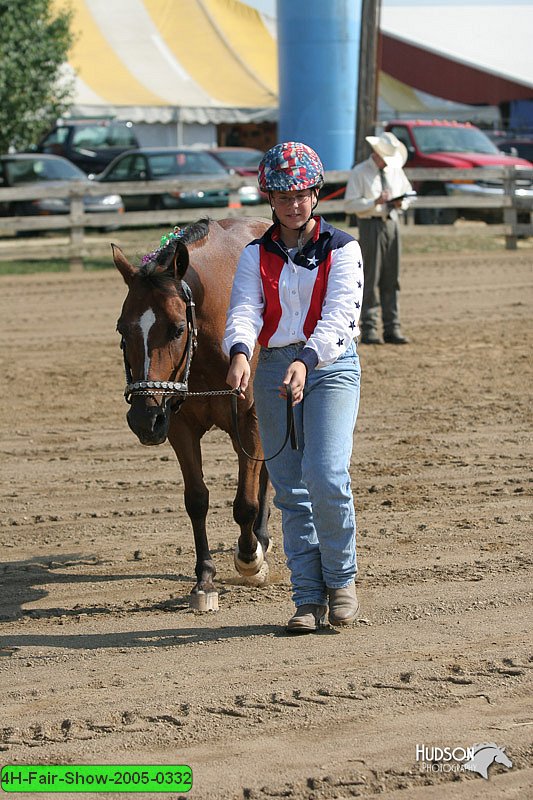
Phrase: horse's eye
(177, 331)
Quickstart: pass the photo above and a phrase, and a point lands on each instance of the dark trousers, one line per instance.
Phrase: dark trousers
(380, 245)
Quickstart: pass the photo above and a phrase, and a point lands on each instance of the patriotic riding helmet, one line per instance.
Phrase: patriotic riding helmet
(290, 167)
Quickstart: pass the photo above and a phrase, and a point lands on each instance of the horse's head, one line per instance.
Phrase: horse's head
(484, 755)
(157, 329)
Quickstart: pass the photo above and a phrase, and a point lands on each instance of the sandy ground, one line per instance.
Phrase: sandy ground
(103, 662)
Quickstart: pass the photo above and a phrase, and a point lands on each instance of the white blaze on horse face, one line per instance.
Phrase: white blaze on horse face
(145, 323)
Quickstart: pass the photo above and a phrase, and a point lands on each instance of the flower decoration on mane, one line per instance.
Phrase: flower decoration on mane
(166, 239)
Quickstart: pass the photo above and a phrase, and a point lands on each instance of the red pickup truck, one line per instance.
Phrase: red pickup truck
(436, 143)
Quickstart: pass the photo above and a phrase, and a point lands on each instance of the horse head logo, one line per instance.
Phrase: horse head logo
(484, 756)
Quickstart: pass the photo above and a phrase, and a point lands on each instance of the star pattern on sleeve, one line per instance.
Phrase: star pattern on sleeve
(340, 342)
(352, 324)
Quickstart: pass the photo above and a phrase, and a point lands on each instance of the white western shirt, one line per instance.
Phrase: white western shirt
(312, 297)
(364, 187)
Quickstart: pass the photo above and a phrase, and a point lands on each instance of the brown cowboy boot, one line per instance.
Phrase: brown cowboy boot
(307, 619)
(343, 605)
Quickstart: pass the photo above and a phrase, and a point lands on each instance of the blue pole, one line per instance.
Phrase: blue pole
(318, 57)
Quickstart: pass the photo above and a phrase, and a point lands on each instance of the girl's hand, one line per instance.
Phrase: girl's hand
(238, 375)
(295, 377)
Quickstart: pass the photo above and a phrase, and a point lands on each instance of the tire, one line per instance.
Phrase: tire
(435, 216)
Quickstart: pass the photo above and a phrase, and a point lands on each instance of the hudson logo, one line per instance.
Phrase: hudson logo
(477, 758)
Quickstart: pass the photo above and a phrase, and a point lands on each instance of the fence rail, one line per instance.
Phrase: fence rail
(509, 198)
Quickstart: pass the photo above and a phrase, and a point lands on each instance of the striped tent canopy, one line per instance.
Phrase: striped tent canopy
(215, 61)
(161, 60)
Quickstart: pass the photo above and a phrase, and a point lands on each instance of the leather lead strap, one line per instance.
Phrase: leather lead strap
(290, 432)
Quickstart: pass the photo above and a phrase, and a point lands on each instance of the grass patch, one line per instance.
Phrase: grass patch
(32, 267)
(461, 238)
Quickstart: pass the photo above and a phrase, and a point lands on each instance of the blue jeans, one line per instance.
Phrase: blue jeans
(312, 485)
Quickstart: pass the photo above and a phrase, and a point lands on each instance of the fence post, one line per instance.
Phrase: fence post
(76, 233)
(510, 215)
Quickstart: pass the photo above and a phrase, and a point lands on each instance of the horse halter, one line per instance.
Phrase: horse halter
(178, 389)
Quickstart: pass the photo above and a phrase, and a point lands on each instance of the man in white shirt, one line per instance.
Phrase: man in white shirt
(377, 192)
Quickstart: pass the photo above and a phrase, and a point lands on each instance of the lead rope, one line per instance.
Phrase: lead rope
(290, 426)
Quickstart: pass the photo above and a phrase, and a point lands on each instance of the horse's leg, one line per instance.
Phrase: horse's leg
(250, 507)
(186, 445)
(263, 514)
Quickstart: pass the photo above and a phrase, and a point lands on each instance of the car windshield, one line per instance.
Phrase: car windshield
(181, 163)
(32, 170)
(444, 139)
(58, 136)
(240, 158)
(101, 137)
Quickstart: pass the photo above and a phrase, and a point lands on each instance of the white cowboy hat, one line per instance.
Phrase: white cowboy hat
(392, 151)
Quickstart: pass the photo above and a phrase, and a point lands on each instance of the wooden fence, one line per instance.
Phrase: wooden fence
(76, 246)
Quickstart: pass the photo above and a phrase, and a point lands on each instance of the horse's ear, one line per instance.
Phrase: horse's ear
(126, 269)
(180, 261)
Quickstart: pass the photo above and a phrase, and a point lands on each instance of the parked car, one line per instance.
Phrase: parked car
(242, 161)
(162, 163)
(28, 169)
(437, 143)
(91, 145)
(521, 146)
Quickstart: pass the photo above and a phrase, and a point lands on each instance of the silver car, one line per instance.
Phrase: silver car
(29, 169)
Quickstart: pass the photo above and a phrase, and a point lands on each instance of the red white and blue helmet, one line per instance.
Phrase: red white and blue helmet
(290, 167)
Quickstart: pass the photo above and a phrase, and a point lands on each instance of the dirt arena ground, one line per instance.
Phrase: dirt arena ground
(103, 662)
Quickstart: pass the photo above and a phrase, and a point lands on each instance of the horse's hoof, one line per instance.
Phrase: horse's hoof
(248, 568)
(259, 579)
(203, 601)
(268, 548)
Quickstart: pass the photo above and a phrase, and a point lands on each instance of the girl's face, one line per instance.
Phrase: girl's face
(293, 209)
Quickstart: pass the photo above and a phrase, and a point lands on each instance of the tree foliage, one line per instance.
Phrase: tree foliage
(34, 87)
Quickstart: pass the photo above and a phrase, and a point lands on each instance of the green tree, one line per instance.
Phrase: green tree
(34, 88)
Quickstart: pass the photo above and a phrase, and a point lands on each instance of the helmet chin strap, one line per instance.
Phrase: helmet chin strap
(301, 231)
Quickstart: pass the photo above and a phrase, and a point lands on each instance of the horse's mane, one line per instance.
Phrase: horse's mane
(153, 270)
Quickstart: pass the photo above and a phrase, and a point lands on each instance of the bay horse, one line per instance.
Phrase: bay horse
(172, 323)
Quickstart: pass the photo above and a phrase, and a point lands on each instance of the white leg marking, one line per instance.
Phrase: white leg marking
(145, 324)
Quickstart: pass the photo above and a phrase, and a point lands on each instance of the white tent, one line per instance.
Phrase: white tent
(470, 51)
